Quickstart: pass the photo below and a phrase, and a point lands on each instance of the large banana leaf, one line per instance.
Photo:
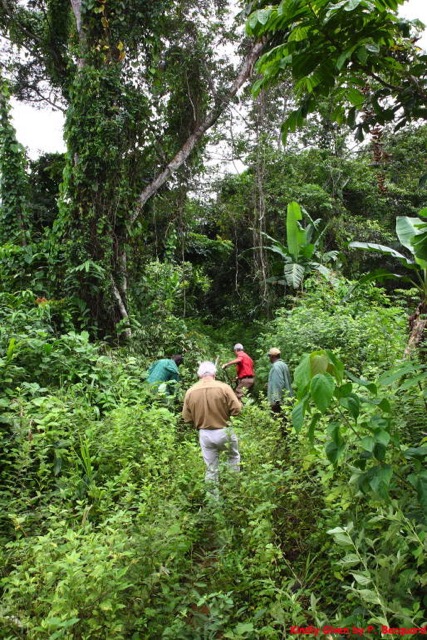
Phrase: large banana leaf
(280, 250)
(380, 248)
(420, 240)
(294, 274)
(307, 251)
(408, 231)
(275, 246)
(295, 235)
(420, 245)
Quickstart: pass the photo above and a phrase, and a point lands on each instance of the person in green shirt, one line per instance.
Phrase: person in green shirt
(279, 380)
(165, 372)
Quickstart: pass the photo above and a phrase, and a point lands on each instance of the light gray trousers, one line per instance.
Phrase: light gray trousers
(212, 442)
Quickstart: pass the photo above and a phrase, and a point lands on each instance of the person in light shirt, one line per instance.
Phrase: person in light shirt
(279, 380)
(209, 405)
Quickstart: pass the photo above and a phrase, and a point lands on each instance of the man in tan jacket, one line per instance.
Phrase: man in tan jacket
(209, 404)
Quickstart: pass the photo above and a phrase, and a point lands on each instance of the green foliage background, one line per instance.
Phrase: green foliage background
(107, 529)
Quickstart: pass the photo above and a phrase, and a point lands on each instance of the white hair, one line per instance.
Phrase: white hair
(238, 347)
(206, 369)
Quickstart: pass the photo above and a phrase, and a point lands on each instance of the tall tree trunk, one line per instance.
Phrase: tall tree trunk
(96, 221)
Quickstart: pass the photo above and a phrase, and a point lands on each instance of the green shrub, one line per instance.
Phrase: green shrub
(362, 329)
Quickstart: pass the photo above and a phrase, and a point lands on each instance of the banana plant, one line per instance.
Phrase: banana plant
(301, 253)
(412, 234)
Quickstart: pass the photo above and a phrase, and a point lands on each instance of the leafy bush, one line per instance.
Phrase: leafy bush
(381, 487)
(363, 329)
(106, 526)
(162, 298)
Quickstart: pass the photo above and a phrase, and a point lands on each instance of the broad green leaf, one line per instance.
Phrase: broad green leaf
(294, 234)
(420, 244)
(345, 55)
(350, 558)
(299, 34)
(244, 627)
(302, 375)
(11, 349)
(355, 97)
(416, 452)
(319, 362)
(344, 390)
(259, 17)
(419, 482)
(350, 5)
(382, 436)
(307, 250)
(298, 416)
(381, 274)
(341, 536)
(379, 451)
(411, 235)
(292, 122)
(379, 248)
(368, 443)
(369, 596)
(335, 367)
(352, 404)
(333, 451)
(372, 47)
(315, 419)
(380, 478)
(258, 85)
(294, 274)
(361, 578)
(263, 15)
(322, 390)
(405, 230)
(334, 432)
(281, 251)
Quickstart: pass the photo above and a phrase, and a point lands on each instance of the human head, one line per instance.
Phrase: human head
(206, 369)
(238, 347)
(274, 353)
(177, 357)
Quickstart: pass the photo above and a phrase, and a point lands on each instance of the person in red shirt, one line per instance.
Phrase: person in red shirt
(244, 370)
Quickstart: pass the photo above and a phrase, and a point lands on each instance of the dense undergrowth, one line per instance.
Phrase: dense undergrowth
(106, 527)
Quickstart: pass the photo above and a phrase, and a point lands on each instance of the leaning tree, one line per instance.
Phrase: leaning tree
(140, 84)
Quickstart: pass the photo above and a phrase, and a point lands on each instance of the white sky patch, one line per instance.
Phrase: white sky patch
(416, 9)
(39, 130)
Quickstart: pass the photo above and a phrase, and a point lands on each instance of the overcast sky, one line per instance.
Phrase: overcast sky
(41, 130)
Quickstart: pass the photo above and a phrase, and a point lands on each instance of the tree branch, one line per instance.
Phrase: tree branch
(122, 308)
(219, 107)
(76, 6)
